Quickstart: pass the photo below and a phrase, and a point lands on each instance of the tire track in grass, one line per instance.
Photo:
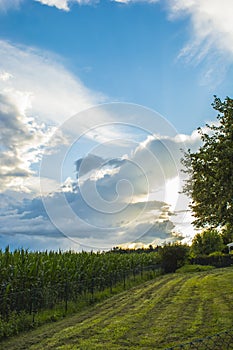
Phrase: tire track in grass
(186, 310)
(89, 320)
(192, 307)
(134, 317)
(207, 317)
(93, 326)
(111, 323)
(160, 316)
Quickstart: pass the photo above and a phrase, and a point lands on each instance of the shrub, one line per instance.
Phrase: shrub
(173, 256)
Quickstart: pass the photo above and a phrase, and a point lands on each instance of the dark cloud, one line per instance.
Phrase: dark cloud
(29, 217)
(90, 162)
(159, 230)
(93, 162)
(31, 209)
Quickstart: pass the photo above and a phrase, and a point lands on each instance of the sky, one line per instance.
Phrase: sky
(97, 99)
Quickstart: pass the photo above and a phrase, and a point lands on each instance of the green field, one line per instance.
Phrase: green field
(169, 310)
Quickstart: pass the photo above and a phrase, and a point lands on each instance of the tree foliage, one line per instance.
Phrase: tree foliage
(207, 242)
(227, 234)
(210, 171)
(173, 256)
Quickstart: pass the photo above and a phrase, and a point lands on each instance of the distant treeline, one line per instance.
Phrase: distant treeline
(150, 249)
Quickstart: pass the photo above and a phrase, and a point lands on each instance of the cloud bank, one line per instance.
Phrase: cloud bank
(37, 93)
(22, 143)
(116, 198)
(132, 197)
(127, 181)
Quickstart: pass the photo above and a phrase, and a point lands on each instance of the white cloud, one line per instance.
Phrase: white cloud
(4, 76)
(64, 4)
(59, 4)
(36, 93)
(22, 141)
(55, 94)
(211, 27)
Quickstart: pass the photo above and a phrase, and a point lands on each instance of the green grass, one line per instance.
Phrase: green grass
(169, 310)
(19, 322)
(194, 268)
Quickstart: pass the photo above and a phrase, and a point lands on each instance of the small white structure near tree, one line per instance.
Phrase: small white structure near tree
(230, 245)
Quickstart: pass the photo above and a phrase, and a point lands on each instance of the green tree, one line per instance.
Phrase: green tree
(210, 171)
(207, 242)
(227, 234)
(173, 256)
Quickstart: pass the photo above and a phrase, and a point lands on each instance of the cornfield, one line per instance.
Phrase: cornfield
(34, 281)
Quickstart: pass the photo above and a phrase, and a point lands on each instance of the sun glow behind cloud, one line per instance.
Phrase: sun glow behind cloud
(172, 192)
(106, 201)
(121, 194)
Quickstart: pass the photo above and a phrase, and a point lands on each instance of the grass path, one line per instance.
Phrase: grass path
(169, 310)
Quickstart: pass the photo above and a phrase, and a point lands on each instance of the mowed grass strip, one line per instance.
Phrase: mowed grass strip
(169, 310)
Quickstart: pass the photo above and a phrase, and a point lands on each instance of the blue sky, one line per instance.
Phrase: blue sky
(59, 57)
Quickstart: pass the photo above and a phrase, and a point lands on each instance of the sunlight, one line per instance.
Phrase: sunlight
(172, 188)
